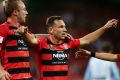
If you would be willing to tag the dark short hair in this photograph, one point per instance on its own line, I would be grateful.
(10, 5)
(51, 19)
(107, 47)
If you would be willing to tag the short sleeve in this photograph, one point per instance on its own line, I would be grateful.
(74, 43)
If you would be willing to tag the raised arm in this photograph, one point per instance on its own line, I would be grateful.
(100, 55)
(96, 34)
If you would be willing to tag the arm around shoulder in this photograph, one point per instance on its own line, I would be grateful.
(31, 38)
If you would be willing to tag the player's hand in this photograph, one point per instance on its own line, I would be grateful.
(82, 53)
(4, 75)
(22, 30)
(69, 36)
(111, 23)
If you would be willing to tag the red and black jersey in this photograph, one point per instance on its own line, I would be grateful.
(52, 60)
(14, 53)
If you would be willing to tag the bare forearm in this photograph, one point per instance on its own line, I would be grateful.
(96, 34)
(30, 38)
(106, 56)
(41, 35)
(101, 55)
(92, 36)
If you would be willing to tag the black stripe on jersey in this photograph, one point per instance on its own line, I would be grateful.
(18, 59)
(16, 48)
(54, 62)
(47, 51)
(54, 73)
(19, 70)
(13, 37)
(25, 79)
(12, 27)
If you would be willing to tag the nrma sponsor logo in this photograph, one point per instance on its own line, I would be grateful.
(60, 55)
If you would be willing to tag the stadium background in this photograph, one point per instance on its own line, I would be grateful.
(81, 17)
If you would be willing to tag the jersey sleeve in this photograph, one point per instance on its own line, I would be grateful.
(3, 34)
(75, 43)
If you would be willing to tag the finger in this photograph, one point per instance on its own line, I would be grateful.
(113, 20)
(3, 78)
(115, 25)
(68, 35)
(2, 75)
(7, 77)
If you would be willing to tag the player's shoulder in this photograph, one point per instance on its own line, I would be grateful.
(4, 25)
(43, 39)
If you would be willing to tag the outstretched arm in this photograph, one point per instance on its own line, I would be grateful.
(100, 55)
(41, 35)
(96, 34)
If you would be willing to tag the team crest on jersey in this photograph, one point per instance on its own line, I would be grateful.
(1, 39)
(60, 55)
(20, 41)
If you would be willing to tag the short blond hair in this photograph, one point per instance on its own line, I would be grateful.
(9, 6)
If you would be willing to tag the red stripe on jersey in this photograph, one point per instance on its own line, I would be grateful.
(12, 43)
(59, 47)
(55, 78)
(16, 65)
(55, 68)
(46, 56)
(17, 54)
(18, 76)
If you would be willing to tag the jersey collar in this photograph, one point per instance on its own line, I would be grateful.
(10, 24)
(50, 42)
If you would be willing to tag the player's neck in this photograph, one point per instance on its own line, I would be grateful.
(13, 21)
(54, 39)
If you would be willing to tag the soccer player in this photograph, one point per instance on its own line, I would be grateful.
(53, 51)
(14, 54)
